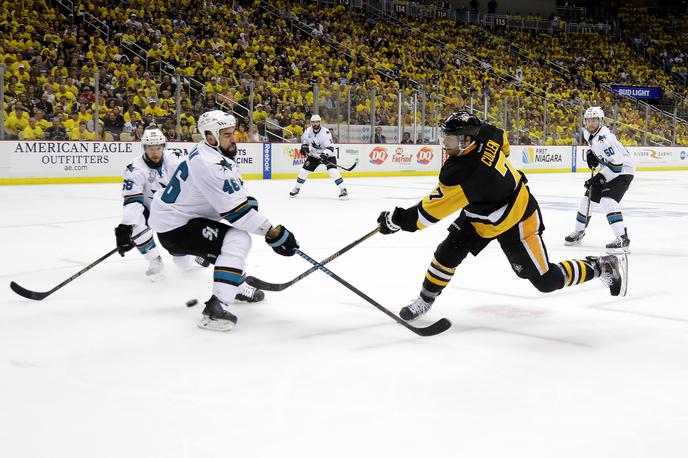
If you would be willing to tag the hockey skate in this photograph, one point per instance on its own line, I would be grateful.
(415, 309)
(248, 293)
(216, 317)
(619, 245)
(294, 192)
(343, 195)
(612, 271)
(154, 271)
(574, 238)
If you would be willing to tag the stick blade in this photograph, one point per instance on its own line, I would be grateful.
(265, 286)
(436, 328)
(36, 296)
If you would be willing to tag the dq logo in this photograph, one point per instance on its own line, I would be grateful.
(424, 156)
(378, 155)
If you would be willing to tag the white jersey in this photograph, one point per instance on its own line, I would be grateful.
(141, 181)
(614, 158)
(318, 143)
(206, 185)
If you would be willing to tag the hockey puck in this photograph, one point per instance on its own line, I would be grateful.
(191, 302)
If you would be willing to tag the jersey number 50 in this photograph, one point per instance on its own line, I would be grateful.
(175, 187)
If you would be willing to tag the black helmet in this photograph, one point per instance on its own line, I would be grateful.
(461, 123)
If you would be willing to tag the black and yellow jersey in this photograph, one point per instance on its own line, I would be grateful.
(482, 182)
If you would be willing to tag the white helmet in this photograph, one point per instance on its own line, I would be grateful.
(152, 137)
(594, 112)
(315, 118)
(214, 121)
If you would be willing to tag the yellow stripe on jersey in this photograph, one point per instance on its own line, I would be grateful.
(530, 226)
(442, 202)
(506, 148)
(489, 231)
(432, 279)
(583, 271)
(569, 272)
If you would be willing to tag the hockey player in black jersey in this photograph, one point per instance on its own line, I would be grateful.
(496, 204)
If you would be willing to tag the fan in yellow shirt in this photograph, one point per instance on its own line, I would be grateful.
(81, 133)
(32, 131)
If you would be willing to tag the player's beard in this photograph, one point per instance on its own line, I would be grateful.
(229, 152)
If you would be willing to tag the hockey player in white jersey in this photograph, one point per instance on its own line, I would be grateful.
(606, 188)
(205, 211)
(143, 177)
(317, 146)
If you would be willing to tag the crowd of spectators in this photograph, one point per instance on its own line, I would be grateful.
(270, 56)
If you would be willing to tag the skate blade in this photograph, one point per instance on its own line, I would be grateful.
(243, 300)
(572, 243)
(623, 264)
(344, 198)
(215, 325)
(618, 251)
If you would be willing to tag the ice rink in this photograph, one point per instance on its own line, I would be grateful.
(114, 366)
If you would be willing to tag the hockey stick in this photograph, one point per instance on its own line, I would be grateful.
(348, 169)
(434, 329)
(260, 284)
(38, 296)
(587, 210)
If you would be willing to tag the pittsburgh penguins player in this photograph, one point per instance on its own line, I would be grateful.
(316, 145)
(495, 203)
(606, 188)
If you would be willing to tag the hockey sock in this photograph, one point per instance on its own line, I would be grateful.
(229, 267)
(337, 177)
(615, 221)
(436, 279)
(577, 271)
(581, 221)
(148, 249)
(226, 280)
(614, 216)
(301, 179)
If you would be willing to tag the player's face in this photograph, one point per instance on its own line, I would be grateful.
(450, 143)
(227, 141)
(154, 153)
(316, 126)
(592, 124)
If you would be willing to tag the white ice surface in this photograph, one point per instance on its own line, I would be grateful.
(113, 366)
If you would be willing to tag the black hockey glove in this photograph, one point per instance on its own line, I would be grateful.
(123, 234)
(305, 150)
(387, 224)
(591, 159)
(596, 182)
(284, 243)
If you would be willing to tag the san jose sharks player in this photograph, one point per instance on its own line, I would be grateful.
(317, 146)
(607, 187)
(205, 211)
(143, 177)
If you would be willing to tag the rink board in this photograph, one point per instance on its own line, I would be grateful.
(46, 162)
